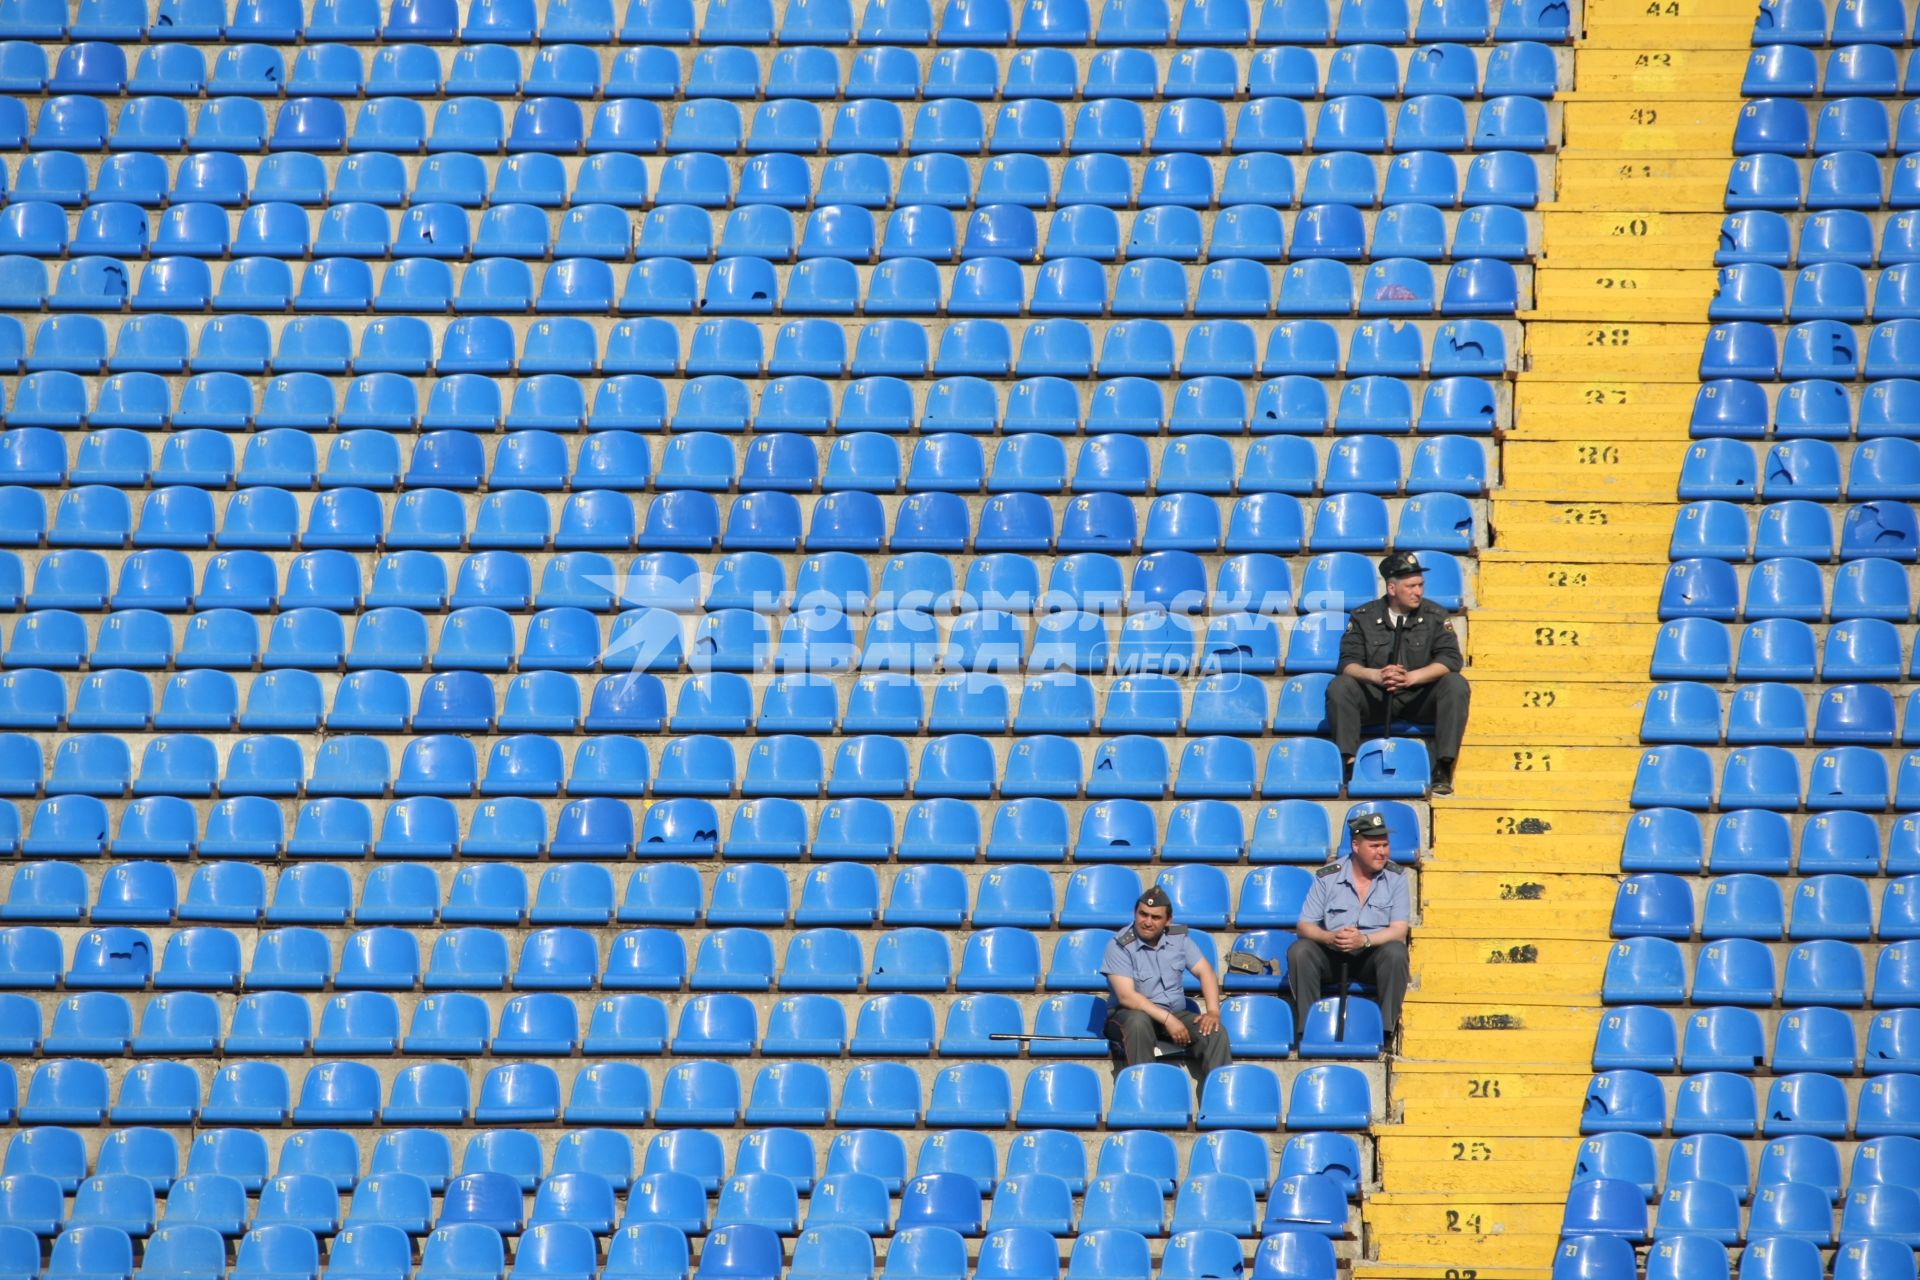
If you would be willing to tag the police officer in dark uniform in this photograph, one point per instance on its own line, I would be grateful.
(1358, 911)
(1146, 966)
(1400, 656)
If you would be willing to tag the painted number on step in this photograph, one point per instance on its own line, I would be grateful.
(1538, 697)
(1618, 336)
(1533, 762)
(1644, 115)
(1597, 455)
(1606, 395)
(1467, 1222)
(1631, 227)
(1471, 1152)
(1550, 636)
(1584, 515)
(1663, 9)
(1566, 578)
(1488, 1088)
(1653, 60)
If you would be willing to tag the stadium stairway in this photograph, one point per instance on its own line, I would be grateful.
(1498, 1032)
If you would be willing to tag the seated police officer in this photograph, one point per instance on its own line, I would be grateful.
(1146, 965)
(1356, 913)
(1400, 660)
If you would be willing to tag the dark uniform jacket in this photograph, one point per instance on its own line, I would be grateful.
(1425, 637)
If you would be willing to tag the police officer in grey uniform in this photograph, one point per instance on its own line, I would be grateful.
(1399, 653)
(1146, 965)
(1357, 910)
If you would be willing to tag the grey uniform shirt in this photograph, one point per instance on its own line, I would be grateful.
(1333, 902)
(1157, 971)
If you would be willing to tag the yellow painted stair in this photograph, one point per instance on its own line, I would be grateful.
(1498, 1032)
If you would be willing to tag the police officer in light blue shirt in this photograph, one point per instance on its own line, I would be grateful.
(1146, 966)
(1357, 912)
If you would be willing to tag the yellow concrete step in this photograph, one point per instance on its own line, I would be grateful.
(1654, 404)
(1643, 239)
(1546, 648)
(1522, 712)
(1601, 293)
(1415, 1226)
(1668, 24)
(1511, 1037)
(1511, 960)
(1645, 75)
(1589, 530)
(1568, 834)
(1468, 1166)
(1372, 1269)
(1628, 350)
(1610, 470)
(1541, 905)
(1569, 588)
(1497, 1251)
(1532, 775)
(1608, 184)
(1668, 128)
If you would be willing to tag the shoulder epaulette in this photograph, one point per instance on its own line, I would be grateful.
(1126, 935)
(1331, 869)
(1176, 929)
(1395, 869)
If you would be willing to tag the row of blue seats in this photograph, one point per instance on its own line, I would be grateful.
(537, 405)
(879, 701)
(1741, 971)
(1763, 841)
(1811, 408)
(1856, 69)
(362, 1023)
(1790, 127)
(1776, 648)
(952, 766)
(1732, 1038)
(1782, 588)
(154, 1156)
(557, 125)
(1836, 180)
(444, 229)
(855, 520)
(565, 958)
(849, 893)
(574, 69)
(1689, 711)
(1784, 1230)
(1801, 468)
(1727, 1102)
(1026, 461)
(1769, 777)
(406, 345)
(751, 286)
(704, 1093)
(1089, 581)
(1822, 291)
(1797, 528)
(1182, 178)
(1837, 235)
(1661, 904)
(974, 22)
(1718, 1157)
(1595, 1257)
(658, 1251)
(1029, 829)
(1808, 22)
(480, 638)
(580, 1206)
(1749, 351)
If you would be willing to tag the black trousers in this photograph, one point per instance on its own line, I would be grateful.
(1132, 1035)
(1311, 965)
(1356, 710)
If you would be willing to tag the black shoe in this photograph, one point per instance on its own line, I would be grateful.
(1443, 778)
(1346, 773)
